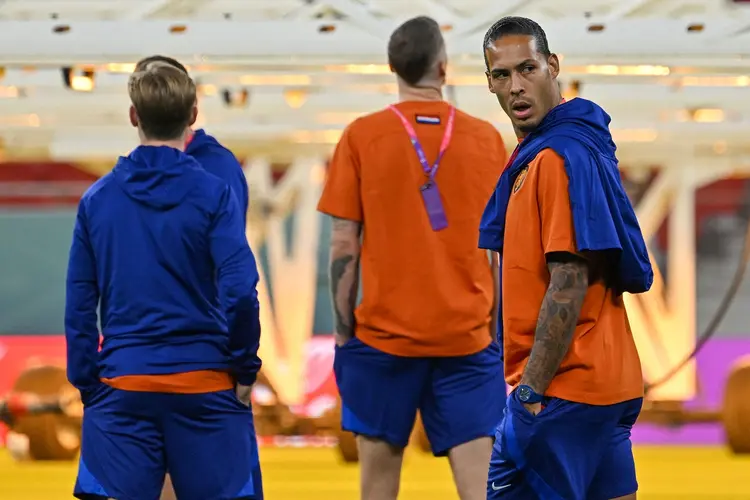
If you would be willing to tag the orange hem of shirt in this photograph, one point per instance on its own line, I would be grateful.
(197, 382)
(406, 347)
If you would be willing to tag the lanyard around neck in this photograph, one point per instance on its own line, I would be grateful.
(429, 170)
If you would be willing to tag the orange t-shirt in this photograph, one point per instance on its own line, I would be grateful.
(602, 366)
(424, 292)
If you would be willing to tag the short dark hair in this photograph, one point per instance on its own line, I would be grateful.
(143, 63)
(414, 47)
(163, 97)
(513, 25)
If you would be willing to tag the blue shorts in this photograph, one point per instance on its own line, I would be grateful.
(131, 439)
(570, 451)
(460, 399)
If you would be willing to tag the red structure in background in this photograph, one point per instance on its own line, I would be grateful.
(40, 185)
(46, 185)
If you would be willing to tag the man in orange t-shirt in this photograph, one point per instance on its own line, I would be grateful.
(570, 245)
(423, 336)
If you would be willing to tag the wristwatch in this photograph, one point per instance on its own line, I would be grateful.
(527, 395)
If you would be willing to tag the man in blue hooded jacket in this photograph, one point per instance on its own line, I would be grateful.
(159, 246)
(570, 245)
(211, 154)
(221, 162)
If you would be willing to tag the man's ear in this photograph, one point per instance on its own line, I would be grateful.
(554, 65)
(193, 115)
(487, 72)
(489, 81)
(442, 70)
(133, 116)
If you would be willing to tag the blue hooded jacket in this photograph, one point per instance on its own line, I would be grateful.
(159, 244)
(604, 220)
(222, 163)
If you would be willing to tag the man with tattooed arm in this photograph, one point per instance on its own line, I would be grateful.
(570, 246)
(423, 336)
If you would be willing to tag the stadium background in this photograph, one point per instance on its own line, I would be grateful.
(279, 79)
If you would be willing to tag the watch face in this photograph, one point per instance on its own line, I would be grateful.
(524, 393)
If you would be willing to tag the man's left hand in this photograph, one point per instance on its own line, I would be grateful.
(533, 408)
(342, 339)
(244, 393)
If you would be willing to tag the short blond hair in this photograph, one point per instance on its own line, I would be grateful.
(163, 97)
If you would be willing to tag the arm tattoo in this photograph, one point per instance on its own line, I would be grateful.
(344, 320)
(344, 274)
(558, 317)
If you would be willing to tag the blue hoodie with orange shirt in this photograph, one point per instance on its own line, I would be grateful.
(159, 245)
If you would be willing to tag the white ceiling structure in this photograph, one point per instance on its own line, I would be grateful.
(674, 74)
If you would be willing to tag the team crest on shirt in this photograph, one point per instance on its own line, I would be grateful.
(519, 180)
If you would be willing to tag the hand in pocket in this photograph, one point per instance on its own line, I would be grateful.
(244, 393)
